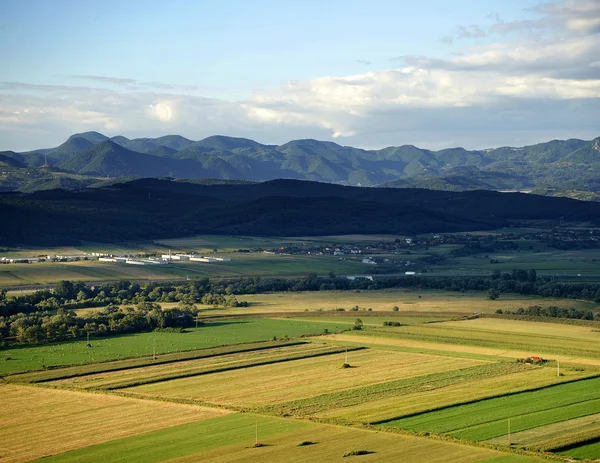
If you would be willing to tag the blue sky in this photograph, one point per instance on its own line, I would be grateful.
(364, 73)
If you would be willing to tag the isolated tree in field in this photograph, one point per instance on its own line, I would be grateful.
(493, 294)
(358, 324)
(396, 308)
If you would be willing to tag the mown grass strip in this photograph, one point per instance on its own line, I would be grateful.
(220, 369)
(514, 341)
(313, 405)
(556, 436)
(568, 441)
(457, 419)
(138, 362)
(494, 428)
(179, 441)
(100, 380)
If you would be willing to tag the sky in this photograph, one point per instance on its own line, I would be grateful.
(370, 74)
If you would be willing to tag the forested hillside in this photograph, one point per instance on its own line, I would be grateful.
(569, 167)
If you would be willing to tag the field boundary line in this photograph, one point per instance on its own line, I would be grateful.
(12, 377)
(495, 396)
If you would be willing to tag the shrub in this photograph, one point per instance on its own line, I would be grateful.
(396, 308)
(305, 443)
(392, 324)
(357, 452)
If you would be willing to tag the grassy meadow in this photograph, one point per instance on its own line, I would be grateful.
(231, 438)
(410, 302)
(299, 379)
(487, 419)
(216, 333)
(540, 339)
(37, 422)
(439, 388)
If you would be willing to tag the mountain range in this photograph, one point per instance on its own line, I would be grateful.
(89, 159)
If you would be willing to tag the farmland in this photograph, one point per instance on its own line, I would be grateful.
(192, 368)
(300, 256)
(213, 334)
(33, 414)
(287, 382)
(487, 419)
(411, 301)
(294, 367)
(489, 335)
(299, 379)
(230, 438)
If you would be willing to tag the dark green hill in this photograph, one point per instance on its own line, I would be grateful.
(223, 143)
(11, 159)
(164, 151)
(176, 142)
(154, 208)
(109, 159)
(93, 137)
(74, 145)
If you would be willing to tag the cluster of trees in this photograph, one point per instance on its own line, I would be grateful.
(553, 312)
(76, 295)
(41, 327)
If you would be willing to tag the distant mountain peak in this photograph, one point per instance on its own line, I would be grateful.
(92, 136)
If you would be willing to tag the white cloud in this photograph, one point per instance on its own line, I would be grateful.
(163, 111)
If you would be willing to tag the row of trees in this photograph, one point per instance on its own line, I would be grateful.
(552, 312)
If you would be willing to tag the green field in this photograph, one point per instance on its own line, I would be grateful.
(547, 261)
(39, 421)
(439, 374)
(487, 419)
(135, 363)
(589, 451)
(433, 391)
(231, 438)
(213, 334)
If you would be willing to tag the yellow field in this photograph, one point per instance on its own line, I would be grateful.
(332, 442)
(37, 422)
(539, 338)
(301, 378)
(460, 349)
(385, 300)
(553, 330)
(114, 379)
(455, 393)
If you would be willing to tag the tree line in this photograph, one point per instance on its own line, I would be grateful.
(552, 312)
